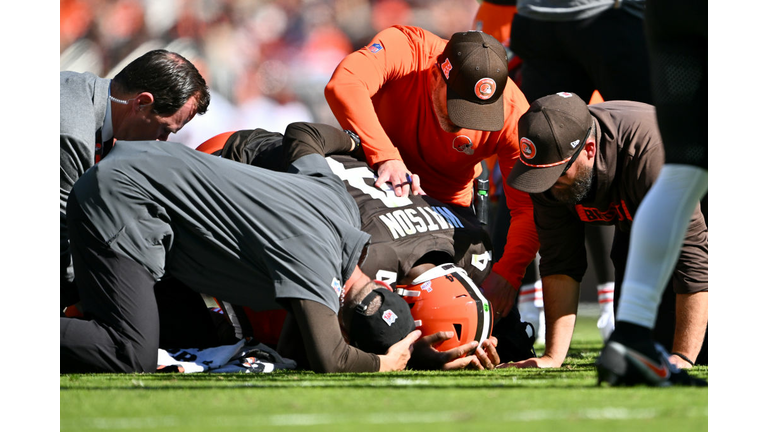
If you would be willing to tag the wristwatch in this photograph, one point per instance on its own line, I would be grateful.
(355, 138)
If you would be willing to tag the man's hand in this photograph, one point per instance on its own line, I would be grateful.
(426, 357)
(486, 354)
(561, 301)
(394, 172)
(500, 293)
(542, 362)
(398, 354)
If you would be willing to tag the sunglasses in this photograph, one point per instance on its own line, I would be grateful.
(575, 154)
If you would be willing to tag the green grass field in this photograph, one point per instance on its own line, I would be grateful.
(504, 399)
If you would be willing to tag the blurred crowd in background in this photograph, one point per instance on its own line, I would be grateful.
(266, 61)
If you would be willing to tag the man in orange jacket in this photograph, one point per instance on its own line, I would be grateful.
(428, 111)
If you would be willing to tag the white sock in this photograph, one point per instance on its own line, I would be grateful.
(605, 323)
(658, 231)
(530, 303)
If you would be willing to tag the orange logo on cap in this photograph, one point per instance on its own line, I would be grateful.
(485, 88)
(446, 67)
(527, 148)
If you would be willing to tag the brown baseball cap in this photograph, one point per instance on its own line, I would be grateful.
(552, 132)
(474, 65)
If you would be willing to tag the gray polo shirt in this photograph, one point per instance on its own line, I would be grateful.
(83, 102)
(243, 234)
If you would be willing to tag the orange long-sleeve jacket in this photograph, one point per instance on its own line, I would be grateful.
(382, 93)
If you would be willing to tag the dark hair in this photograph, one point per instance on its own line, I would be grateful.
(171, 78)
(348, 310)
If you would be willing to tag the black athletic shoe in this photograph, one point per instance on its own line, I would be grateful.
(515, 337)
(620, 365)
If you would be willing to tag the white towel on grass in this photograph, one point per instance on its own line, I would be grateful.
(243, 356)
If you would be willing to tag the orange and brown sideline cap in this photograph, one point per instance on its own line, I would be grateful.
(474, 65)
(552, 132)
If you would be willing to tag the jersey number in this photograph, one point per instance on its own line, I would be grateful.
(355, 177)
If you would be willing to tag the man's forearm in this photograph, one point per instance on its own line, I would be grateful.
(302, 138)
(324, 344)
(561, 301)
(522, 238)
(690, 323)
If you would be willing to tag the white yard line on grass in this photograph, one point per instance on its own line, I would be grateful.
(146, 423)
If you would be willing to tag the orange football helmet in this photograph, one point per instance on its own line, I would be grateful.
(214, 144)
(444, 298)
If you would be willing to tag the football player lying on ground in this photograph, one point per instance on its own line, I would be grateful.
(409, 235)
(445, 303)
(75, 358)
(445, 234)
(152, 210)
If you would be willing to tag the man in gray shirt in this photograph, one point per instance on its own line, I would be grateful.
(152, 97)
(229, 230)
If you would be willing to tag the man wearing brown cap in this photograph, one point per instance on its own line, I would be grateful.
(428, 111)
(595, 164)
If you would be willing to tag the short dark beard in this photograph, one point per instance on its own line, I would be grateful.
(580, 188)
